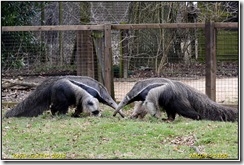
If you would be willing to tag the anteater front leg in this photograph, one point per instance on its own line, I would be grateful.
(78, 111)
(60, 108)
(59, 103)
(139, 111)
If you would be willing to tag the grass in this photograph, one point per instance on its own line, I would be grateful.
(107, 137)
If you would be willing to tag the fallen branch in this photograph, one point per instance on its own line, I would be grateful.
(196, 149)
(6, 84)
(200, 155)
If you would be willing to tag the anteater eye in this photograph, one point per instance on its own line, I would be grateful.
(90, 103)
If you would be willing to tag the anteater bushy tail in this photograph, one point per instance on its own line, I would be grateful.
(208, 109)
(35, 104)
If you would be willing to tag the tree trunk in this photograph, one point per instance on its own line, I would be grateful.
(124, 54)
(61, 33)
(85, 55)
(85, 58)
(44, 57)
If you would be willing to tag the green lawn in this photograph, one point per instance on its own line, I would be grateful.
(107, 137)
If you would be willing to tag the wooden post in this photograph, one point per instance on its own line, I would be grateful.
(210, 42)
(108, 76)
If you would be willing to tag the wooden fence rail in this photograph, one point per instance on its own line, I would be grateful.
(116, 26)
(53, 28)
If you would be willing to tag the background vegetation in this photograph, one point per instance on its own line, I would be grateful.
(152, 47)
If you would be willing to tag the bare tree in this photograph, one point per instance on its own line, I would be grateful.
(218, 11)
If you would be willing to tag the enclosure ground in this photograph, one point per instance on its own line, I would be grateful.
(116, 138)
(63, 137)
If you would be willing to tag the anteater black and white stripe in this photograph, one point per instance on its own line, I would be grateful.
(176, 98)
(61, 92)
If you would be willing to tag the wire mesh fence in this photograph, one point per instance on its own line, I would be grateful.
(32, 53)
(137, 53)
(135, 57)
(182, 59)
(227, 66)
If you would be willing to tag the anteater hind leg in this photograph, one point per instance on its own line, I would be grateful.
(184, 108)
